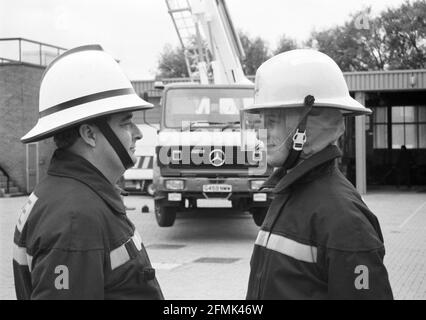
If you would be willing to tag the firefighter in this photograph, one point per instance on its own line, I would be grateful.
(319, 240)
(73, 239)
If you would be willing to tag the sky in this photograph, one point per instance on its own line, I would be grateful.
(136, 31)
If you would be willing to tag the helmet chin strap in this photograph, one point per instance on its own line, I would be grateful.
(299, 138)
(115, 143)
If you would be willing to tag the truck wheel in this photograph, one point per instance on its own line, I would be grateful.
(165, 216)
(259, 215)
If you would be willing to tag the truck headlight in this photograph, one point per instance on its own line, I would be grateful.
(174, 184)
(256, 184)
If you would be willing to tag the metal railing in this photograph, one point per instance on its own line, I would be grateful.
(21, 50)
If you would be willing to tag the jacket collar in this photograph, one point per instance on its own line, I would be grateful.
(280, 180)
(67, 164)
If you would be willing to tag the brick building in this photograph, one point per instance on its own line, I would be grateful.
(19, 85)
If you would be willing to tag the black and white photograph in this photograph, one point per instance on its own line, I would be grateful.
(212, 155)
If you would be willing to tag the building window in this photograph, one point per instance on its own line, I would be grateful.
(408, 127)
(422, 127)
(380, 128)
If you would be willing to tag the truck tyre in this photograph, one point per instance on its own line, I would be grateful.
(259, 215)
(165, 216)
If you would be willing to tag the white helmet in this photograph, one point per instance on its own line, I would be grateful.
(287, 78)
(302, 79)
(82, 84)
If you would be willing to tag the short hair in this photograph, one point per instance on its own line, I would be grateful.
(66, 138)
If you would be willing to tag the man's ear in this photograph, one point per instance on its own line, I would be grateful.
(88, 134)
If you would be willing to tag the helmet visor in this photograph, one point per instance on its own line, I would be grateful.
(260, 122)
(252, 130)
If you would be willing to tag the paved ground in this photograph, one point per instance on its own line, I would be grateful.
(206, 255)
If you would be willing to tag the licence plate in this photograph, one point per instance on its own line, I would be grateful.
(217, 188)
(214, 203)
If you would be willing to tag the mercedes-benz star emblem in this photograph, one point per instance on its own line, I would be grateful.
(217, 157)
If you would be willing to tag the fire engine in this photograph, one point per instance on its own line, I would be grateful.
(201, 160)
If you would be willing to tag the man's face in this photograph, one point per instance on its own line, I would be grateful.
(127, 131)
(280, 125)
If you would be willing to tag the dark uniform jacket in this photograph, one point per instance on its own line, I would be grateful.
(319, 240)
(73, 239)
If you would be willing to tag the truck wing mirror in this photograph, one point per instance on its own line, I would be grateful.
(159, 85)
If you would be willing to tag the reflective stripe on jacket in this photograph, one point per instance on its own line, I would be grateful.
(319, 240)
(73, 239)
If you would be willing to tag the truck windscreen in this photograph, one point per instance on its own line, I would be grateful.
(205, 105)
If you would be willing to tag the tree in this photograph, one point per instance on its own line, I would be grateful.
(396, 39)
(285, 44)
(256, 52)
(171, 63)
(355, 46)
(340, 47)
(369, 37)
(405, 28)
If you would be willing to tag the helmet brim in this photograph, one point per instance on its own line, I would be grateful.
(49, 125)
(347, 105)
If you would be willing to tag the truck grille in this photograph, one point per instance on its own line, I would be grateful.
(209, 158)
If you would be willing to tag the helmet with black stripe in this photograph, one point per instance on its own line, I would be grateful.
(84, 84)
